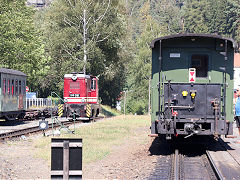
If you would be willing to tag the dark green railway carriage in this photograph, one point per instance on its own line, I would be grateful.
(192, 85)
(12, 94)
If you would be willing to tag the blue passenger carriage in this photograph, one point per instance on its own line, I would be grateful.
(12, 94)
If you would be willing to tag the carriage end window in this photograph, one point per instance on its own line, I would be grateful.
(20, 87)
(4, 86)
(200, 63)
(16, 87)
(8, 86)
(12, 87)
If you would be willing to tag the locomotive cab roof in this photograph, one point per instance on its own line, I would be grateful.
(77, 75)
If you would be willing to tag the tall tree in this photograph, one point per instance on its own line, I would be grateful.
(195, 16)
(140, 67)
(85, 35)
(168, 14)
(21, 47)
(211, 16)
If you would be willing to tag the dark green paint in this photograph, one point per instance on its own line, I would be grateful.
(177, 69)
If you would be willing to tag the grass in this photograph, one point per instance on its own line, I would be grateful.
(98, 138)
(108, 111)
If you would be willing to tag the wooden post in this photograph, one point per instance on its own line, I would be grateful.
(125, 98)
(65, 160)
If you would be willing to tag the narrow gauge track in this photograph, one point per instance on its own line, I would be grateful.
(35, 129)
(182, 165)
(195, 166)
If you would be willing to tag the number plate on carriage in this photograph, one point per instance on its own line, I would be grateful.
(74, 95)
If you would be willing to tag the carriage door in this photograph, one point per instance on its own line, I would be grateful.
(20, 100)
(94, 90)
(88, 90)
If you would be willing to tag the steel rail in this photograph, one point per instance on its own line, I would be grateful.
(35, 129)
(217, 172)
(25, 131)
(176, 164)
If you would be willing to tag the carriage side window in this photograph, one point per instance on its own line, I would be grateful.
(12, 87)
(93, 84)
(4, 86)
(8, 86)
(24, 87)
(16, 87)
(20, 87)
(200, 63)
(74, 85)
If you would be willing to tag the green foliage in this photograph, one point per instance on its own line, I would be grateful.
(156, 19)
(21, 47)
(195, 16)
(138, 107)
(211, 16)
(98, 37)
(167, 14)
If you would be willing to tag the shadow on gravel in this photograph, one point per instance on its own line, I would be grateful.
(161, 146)
(11, 123)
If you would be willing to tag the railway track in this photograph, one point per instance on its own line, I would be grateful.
(35, 129)
(187, 163)
(202, 166)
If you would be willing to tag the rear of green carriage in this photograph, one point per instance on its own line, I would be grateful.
(12, 94)
(192, 85)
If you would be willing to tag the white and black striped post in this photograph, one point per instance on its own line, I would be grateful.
(66, 158)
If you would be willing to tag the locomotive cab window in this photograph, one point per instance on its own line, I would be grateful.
(93, 84)
(200, 63)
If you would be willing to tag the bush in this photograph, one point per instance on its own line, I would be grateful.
(136, 107)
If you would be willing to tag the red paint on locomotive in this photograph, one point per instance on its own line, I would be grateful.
(80, 90)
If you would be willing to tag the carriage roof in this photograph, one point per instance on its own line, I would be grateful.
(11, 71)
(234, 44)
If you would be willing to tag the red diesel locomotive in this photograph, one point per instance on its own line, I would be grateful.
(81, 95)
